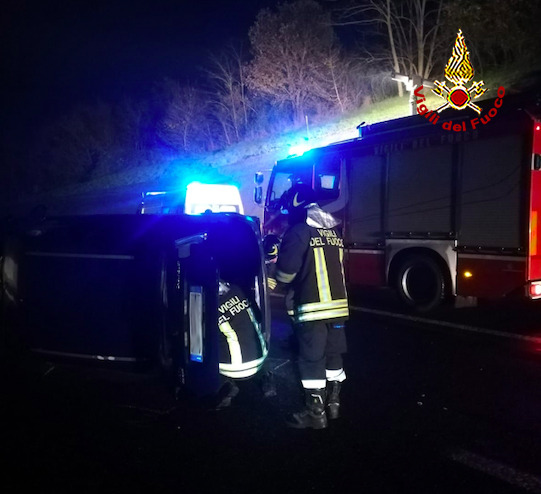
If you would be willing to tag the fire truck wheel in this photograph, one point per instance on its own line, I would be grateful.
(421, 284)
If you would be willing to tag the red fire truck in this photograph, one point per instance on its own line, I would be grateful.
(434, 208)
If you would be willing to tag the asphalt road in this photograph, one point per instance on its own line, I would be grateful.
(426, 409)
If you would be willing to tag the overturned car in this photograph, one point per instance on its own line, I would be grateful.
(129, 290)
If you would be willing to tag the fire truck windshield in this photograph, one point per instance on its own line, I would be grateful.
(323, 175)
(282, 181)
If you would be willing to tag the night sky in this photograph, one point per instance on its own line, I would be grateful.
(56, 53)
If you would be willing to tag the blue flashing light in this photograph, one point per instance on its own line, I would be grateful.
(214, 198)
(159, 193)
(299, 149)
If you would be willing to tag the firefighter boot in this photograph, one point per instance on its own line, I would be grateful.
(268, 386)
(225, 395)
(313, 416)
(333, 402)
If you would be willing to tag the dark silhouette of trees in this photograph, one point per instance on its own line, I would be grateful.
(297, 67)
(76, 147)
(500, 33)
(230, 101)
(411, 28)
(296, 59)
(184, 115)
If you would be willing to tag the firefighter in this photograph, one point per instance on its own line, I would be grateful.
(242, 345)
(271, 244)
(310, 262)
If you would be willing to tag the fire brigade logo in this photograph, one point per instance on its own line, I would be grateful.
(459, 71)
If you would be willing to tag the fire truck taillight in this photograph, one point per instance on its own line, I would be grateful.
(535, 289)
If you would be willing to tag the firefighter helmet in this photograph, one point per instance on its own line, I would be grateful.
(298, 198)
(271, 242)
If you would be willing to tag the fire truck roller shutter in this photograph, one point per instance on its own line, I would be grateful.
(422, 281)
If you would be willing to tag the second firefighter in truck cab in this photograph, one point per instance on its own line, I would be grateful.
(310, 263)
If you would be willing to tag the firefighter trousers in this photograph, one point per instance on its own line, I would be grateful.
(321, 346)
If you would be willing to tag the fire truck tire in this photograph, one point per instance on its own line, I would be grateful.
(421, 284)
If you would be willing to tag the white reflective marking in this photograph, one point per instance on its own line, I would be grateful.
(463, 327)
(504, 472)
(314, 383)
(335, 375)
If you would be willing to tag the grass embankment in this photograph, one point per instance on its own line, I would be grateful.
(238, 163)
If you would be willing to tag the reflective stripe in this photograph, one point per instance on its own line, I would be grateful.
(285, 277)
(314, 383)
(245, 369)
(257, 327)
(335, 375)
(233, 343)
(323, 286)
(254, 320)
(323, 314)
(341, 302)
(341, 254)
(271, 282)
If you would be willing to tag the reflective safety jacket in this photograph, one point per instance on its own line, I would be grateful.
(242, 345)
(311, 261)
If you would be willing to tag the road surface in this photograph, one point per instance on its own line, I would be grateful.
(425, 409)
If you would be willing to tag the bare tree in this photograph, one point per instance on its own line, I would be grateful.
(412, 29)
(131, 118)
(289, 47)
(227, 75)
(341, 83)
(184, 115)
